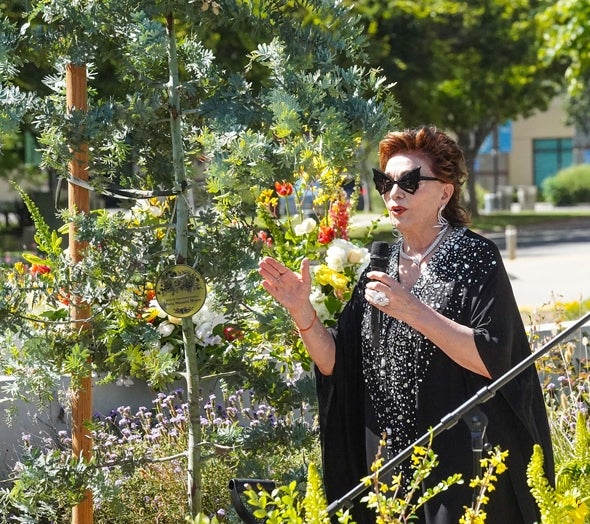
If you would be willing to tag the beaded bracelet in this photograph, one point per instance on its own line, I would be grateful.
(315, 315)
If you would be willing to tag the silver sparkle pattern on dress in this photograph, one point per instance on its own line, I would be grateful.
(395, 369)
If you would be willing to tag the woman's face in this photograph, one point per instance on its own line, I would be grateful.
(415, 213)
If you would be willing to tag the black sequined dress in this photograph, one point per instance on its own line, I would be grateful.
(404, 385)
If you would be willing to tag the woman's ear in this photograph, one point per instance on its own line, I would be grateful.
(447, 193)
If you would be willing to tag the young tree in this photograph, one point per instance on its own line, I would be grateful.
(185, 124)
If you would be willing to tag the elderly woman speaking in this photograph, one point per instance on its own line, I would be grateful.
(449, 325)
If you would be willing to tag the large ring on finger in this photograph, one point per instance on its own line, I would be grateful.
(378, 297)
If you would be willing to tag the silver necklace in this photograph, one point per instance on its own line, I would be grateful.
(417, 259)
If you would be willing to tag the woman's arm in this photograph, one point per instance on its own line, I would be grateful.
(455, 340)
(292, 291)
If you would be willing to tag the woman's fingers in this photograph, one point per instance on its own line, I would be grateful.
(270, 269)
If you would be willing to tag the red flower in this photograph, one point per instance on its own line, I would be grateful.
(231, 333)
(283, 189)
(39, 269)
(326, 234)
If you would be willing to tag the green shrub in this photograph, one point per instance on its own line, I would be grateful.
(569, 186)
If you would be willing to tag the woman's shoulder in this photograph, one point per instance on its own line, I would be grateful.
(471, 251)
(471, 239)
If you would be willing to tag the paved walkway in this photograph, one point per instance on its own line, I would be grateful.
(550, 272)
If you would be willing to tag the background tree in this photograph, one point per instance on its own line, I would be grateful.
(465, 66)
(565, 40)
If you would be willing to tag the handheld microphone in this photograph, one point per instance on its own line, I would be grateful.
(378, 262)
(379, 256)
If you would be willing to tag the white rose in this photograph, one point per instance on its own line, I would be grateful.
(36, 305)
(356, 255)
(147, 206)
(336, 257)
(155, 211)
(305, 227)
(317, 299)
(167, 348)
(205, 315)
(165, 329)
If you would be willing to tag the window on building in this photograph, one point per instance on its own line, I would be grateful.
(549, 156)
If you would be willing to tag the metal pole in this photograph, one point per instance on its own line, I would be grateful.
(511, 241)
(78, 200)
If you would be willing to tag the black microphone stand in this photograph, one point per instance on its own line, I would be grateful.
(448, 421)
(477, 422)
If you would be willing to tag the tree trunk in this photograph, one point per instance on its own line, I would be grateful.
(188, 331)
(470, 141)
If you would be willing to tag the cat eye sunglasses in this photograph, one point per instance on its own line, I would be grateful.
(409, 182)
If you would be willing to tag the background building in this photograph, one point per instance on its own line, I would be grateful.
(514, 161)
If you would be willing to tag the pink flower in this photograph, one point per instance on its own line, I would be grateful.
(264, 238)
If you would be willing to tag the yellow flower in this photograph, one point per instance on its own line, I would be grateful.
(579, 510)
(326, 276)
(151, 314)
(579, 514)
(267, 198)
(339, 281)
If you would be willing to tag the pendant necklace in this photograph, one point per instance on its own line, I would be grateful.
(417, 259)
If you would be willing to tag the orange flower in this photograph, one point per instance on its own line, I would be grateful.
(150, 294)
(64, 297)
(326, 234)
(39, 269)
(339, 217)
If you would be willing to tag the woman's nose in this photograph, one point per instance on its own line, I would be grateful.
(395, 192)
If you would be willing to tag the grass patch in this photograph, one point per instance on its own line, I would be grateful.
(498, 221)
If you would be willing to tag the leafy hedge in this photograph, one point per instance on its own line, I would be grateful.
(569, 186)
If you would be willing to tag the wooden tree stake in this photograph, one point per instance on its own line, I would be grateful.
(78, 200)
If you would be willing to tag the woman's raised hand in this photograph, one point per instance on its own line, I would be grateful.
(288, 288)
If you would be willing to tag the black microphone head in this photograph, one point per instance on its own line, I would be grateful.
(379, 256)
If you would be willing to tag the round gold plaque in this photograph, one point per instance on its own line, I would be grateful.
(181, 290)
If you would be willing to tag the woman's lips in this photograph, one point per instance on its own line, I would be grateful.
(397, 210)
